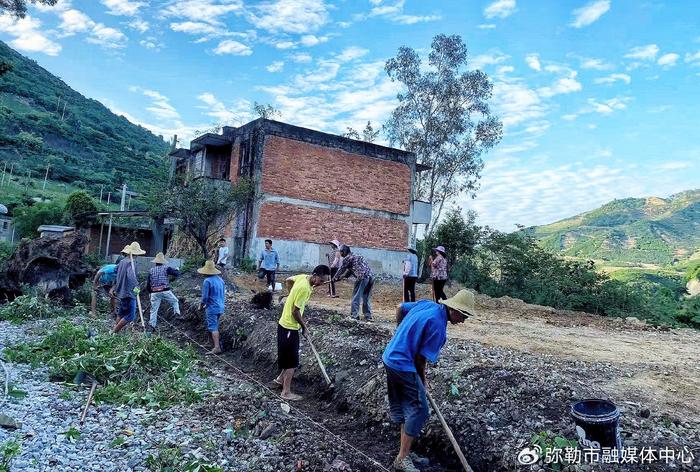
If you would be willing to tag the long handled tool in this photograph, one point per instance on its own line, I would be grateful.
(138, 295)
(450, 436)
(320, 363)
(93, 302)
(89, 400)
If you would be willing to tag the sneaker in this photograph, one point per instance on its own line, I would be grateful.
(405, 465)
(369, 319)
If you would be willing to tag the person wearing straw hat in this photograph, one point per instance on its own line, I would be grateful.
(158, 285)
(438, 272)
(410, 275)
(419, 337)
(126, 286)
(213, 290)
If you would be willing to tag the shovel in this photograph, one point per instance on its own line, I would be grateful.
(138, 295)
(320, 363)
(450, 436)
(81, 379)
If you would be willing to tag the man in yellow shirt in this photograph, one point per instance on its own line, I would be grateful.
(299, 288)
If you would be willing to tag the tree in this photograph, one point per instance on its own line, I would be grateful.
(443, 117)
(369, 134)
(19, 7)
(27, 219)
(266, 111)
(5, 67)
(80, 209)
(202, 207)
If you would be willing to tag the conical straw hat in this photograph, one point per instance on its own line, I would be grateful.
(209, 269)
(135, 249)
(462, 301)
(160, 259)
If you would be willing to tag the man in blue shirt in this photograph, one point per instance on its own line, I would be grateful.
(212, 301)
(419, 337)
(105, 279)
(268, 264)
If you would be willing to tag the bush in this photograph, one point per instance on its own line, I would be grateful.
(30, 140)
(148, 371)
(80, 209)
(6, 251)
(248, 265)
(34, 307)
(27, 218)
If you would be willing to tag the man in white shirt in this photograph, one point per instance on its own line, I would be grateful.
(222, 253)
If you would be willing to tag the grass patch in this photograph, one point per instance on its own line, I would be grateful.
(8, 451)
(132, 370)
(173, 460)
(35, 307)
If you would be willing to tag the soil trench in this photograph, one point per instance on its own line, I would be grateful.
(329, 407)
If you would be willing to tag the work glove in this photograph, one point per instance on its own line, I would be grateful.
(136, 290)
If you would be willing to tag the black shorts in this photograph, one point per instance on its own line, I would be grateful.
(287, 348)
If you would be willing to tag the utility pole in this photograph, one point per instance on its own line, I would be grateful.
(128, 205)
(9, 179)
(101, 187)
(123, 202)
(109, 198)
(4, 167)
(64, 110)
(46, 176)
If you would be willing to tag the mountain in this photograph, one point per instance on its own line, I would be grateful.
(45, 122)
(632, 230)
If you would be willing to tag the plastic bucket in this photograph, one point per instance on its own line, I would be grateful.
(597, 424)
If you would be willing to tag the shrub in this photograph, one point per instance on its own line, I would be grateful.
(33, 307)
(27, 218)
(6, 251)
(30, 140)
(148, 371)
(248, 265)
(80, 209)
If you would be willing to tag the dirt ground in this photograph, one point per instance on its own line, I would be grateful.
(661, 366)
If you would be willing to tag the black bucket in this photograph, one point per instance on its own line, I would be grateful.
(597, 424)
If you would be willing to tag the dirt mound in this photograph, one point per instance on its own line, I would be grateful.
(55, 265)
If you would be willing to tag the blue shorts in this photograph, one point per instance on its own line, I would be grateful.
(213, 321)
(127, 308)
(408, 404)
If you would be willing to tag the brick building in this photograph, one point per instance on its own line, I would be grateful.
(312, 187)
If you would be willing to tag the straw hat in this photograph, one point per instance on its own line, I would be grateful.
(134, 249)
(208, 269)
(160, 259)
(440, 249)
(126, 249)
(335, 242)
(463, 302)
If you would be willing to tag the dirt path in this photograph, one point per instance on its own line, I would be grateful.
(662, 367)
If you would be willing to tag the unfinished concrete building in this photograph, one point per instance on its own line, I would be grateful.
(312, 187)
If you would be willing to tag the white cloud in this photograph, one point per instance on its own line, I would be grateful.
(595, 64)
(561, 86)
(482, 60)
(28, 35)
(351, 53)
(74, 21)
(612, 78)
(208, 11)
(675, 165)
(486, 26)
(216, 109)
(160, 106)
(301, 57)
(290, 16)
(693, 59)
(589, 13)
(123, 7)
(606, 107)
(285, 44)
(516, 103)
(643, 53)
(569, 117)
(195, 28)
(533, 60)
(235, 48)
(513, 191)
(151, 43)
(500, 9)
(107, 37)
(140, 25)
(276, 66)
(312, 40)
(394, 12)
(668, 60)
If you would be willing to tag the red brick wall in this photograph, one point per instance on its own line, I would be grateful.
(310, 172)
(317, 225)
(235, 150)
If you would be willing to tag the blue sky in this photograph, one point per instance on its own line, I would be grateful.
(599, 98)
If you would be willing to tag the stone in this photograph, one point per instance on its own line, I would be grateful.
(8, 422)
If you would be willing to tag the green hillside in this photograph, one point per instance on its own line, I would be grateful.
(45, 122)
(633, 230)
